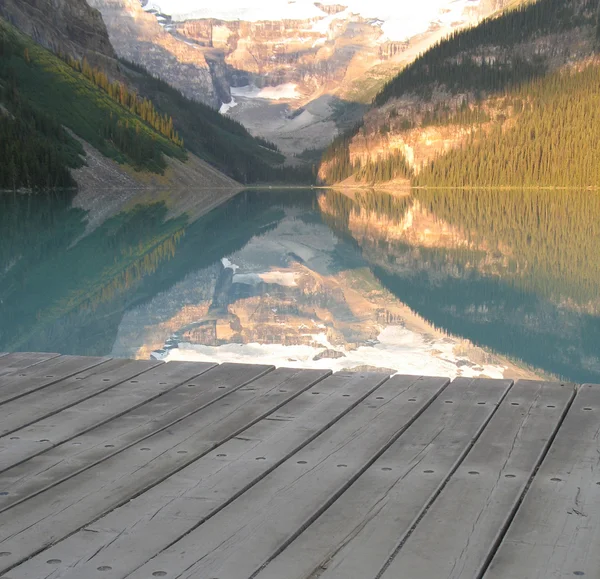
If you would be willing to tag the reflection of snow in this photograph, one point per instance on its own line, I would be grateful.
(398, 348)
(398, 20)
(228, 265)
(284, 278)
(226, 106)
(274, 93)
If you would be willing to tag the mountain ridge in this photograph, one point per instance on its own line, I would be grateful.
(478, 83)
(325, 61)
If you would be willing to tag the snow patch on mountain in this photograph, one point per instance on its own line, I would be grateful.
(286, 91)
(398, 20)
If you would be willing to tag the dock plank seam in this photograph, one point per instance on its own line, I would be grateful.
(350, 482)
(16, 396)
(75, 402)
(513, 513)
(131, 444)
(439, 490)
(106, 420)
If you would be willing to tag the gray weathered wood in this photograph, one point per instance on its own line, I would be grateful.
(68, 506)
(239, 539)
(556, 531)
(84, 416)
(359, 531)
(13, 386)
(19, 360)
(458, 534)
(130, 535)
(60, 395)
(182, 403)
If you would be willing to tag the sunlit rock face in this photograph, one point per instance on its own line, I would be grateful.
(67, 26)
(320, 62)
(139, 36)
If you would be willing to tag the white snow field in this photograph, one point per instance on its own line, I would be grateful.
(398, 20)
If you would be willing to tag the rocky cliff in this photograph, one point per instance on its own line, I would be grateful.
(138, 37)
(455, 94)
(67, 26)
(297, 73)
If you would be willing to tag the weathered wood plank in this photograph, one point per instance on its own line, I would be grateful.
(19, 360)
(243, 536)
(84, 416)
(130, 535)
(458, 534)
(66, 507)
(60, 395)
(361, 530)
(556, 531)
(13, 386)
(181, 404)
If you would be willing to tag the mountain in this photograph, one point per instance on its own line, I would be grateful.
(67, 26)
(508, 102)
(292, 72)
(138, 37)
(107, 122)
(81, 126)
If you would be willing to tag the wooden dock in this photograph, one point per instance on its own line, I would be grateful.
(140, 469)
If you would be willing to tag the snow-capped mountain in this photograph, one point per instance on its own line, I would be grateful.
(397, 20)
(292, 71)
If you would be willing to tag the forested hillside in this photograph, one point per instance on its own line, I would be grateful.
(216, 138)
(507, 103)
(40, 94)
(123, 112)
(552, 138)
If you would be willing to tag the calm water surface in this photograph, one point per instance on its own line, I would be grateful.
(293, 274)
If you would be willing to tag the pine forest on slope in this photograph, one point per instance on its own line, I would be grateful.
(514, 106)
(136, 122)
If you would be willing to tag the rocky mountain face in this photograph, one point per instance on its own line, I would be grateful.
(138, 37)
(428, 114)
(295, 74)
(67, 26)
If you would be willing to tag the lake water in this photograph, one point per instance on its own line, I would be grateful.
(439, 282)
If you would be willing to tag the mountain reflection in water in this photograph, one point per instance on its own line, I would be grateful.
(358, 276)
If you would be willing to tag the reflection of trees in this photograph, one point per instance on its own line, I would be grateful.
(552, 238)
(546, 242)
(507, 320)
(528, 255)
(59, 294)
(48, 281)
(147, 264)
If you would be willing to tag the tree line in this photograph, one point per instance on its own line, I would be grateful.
(551, 114)
(35, 150)
(553, 140)
(127, 98)
(459, 63)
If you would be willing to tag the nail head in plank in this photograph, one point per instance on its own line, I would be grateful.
(41, 375)
(39, 404)
(166, 412)
(94, 412)
(556, 530)
(15, 361)
(358, 533)
(239, 539)
(458, 533)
